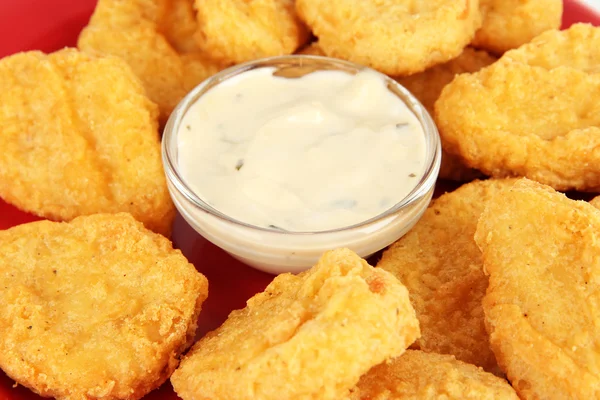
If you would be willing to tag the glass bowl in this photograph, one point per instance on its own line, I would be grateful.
(277, 251)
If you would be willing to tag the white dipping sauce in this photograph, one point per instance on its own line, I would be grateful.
(324, 151)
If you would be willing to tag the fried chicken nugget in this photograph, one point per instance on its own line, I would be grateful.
(244, 30)
(98, 308)
(417, 375)
(440, 265)
(309, 336)
(595, 202)
(155, 37)
(78, 137)
(533, 113)
(508, 24)
(542, 253)
(397, 37)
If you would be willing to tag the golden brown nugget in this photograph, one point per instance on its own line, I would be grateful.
(533, 113)
(244, 30)
(78, 137)
(440, 265)
(153, 37)
(595, 202)
(98, 308)
(309, 336)
(508, 24)
(417, 375)
(542, 253)
(397, 37)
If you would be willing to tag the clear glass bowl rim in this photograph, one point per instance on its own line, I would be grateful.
(169, 139)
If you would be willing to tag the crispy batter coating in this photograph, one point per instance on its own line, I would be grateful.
(78, 137)
(153, 37)
(533, 113)
(309, 336)
(98, 308)
(397, 37)
(440, 265)
(595, 202)
(428, 85)
(417, 375)
(244, 30)
(508, 24)
(542, 253)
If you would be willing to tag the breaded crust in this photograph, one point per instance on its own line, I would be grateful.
(508, 24)
(243, 30)
(542, 253)
(152, 36)
(397, 37)
(309, 336)
(440, 265)
(533, 113)
(79, 136)
(98, 308)
(417, 375)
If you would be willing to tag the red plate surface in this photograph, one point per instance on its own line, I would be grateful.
(51, 24)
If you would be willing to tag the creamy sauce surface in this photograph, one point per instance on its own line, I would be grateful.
(323, 151)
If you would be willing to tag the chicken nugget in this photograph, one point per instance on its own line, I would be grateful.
(397, 37)
(417, 375)
(78, 137)
(308, 336)
(508, 24)
(595, 202)
(542, 253)
(155, 37)
(98, 308)
(440, 265)
(533, 113)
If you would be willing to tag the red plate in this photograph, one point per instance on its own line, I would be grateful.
(51, 24)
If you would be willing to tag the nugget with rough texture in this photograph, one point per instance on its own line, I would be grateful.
(397, 37)
(98, 308)
(440, 265)
(508, 24)
(532, 113)
(155, 38)
(542, 253)
(244, 30)
(309, 336)
(417, 375)
(78, 137)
